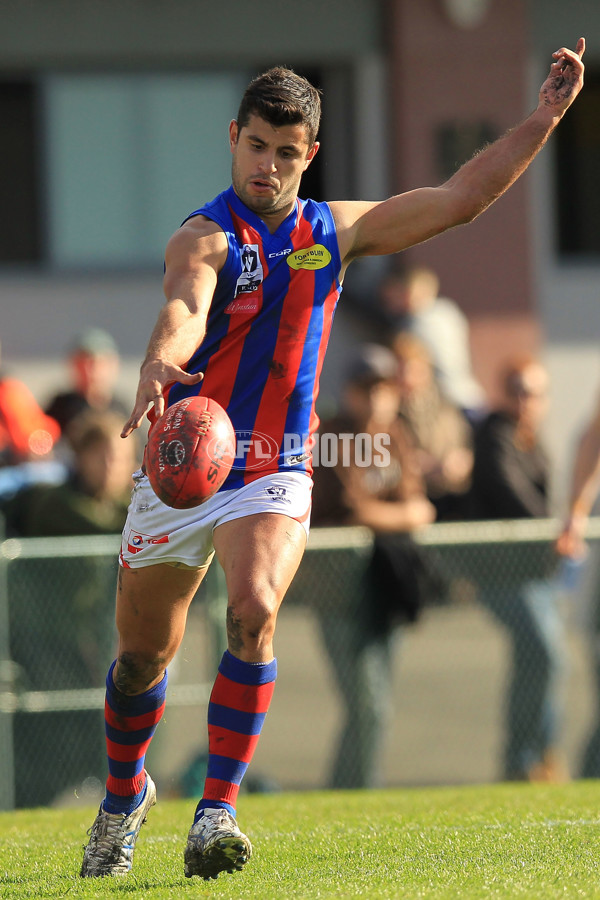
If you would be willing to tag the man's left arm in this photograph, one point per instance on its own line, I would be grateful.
(584, 489)
(370, 229)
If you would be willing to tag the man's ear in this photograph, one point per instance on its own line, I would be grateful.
(233, 134)
(311, 155)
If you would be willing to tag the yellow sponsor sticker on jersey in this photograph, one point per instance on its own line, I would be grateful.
(315, 257)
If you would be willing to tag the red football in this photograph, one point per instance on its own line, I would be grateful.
(190, 451)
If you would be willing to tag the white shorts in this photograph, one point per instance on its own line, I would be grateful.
(156, 533)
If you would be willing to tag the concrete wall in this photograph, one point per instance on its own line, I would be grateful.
(446, 75)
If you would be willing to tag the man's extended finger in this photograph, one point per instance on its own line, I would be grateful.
(566, 55)
(134, 421)
(128, 428)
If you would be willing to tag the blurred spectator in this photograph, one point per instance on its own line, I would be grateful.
(95, 496)
(94, 362)
(443, 436)
(510, 481)
(411, 302)
(27, 441)
(370, 476)
(27, 434)
(511, 468)
(62, 629)
(585, 485)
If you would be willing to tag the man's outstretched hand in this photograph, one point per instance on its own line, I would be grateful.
(565, 79)
(155, 376)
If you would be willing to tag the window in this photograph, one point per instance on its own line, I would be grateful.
(20, 229)
(99, 169)
(578, 173)
(128, 157)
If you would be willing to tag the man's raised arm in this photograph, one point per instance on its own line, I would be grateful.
(367, 229)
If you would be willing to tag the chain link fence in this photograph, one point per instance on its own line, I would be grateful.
(360, 700)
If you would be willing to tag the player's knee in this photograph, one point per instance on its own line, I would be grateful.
(136, 671)
(252, 617)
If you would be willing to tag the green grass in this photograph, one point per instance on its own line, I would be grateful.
(525, 841)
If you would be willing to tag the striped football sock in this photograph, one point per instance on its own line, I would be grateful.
(238, 705)
(130, 722)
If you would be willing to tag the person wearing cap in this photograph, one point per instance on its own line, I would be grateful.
(367, 473)
(93, 361)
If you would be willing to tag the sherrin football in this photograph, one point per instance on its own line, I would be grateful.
(190, 451)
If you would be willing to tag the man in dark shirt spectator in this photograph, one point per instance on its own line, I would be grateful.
(510, 481)
(510, 472)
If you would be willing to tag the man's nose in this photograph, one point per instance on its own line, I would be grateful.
(267, 162)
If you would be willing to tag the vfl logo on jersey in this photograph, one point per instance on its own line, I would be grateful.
(247, 295)
(315, 257)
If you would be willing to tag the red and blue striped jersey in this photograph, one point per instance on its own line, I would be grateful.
(267, 331)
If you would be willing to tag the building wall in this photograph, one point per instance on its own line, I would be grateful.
(445, 75)
(395, 72)
(109, 34)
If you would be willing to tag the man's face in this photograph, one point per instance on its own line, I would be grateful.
(105, 467)
(95, 371)
(375, 400)
(527, 395)
(268, 163)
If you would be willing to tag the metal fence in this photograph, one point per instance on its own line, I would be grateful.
(356, 703)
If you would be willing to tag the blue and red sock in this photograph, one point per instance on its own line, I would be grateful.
(130, 723)
(238, 705)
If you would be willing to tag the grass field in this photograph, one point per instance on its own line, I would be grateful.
(497, 841)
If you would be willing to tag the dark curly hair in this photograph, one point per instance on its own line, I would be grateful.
(282, 97)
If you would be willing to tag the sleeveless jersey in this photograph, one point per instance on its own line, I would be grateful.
(267, 332)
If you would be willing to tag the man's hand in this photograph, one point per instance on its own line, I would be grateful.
(419, 513)
(571, 540)
(565, 79)
(155, 375)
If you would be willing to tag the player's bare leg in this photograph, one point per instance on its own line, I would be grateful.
(260, 555)
(152, 605)
(152, 608)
